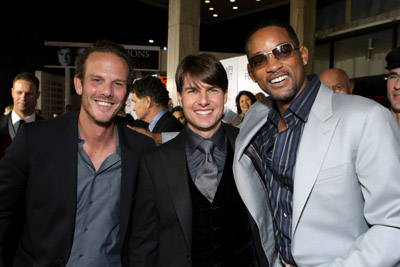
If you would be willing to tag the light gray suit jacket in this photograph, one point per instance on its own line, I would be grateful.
(346, 200)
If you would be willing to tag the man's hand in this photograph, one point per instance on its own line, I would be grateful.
(155, 136)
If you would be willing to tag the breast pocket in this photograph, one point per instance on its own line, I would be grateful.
(334, 172)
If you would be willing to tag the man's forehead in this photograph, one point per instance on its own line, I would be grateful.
(394, 71)
(24, 85)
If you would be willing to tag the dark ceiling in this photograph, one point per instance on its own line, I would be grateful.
(133, 23)
(224, 33)
(224, 8)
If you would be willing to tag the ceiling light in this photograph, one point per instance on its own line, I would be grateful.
(215, 15)
(207, 1)
(211, 8)
(258, 0)
(232, 1)
(234, 7)
(151, 41)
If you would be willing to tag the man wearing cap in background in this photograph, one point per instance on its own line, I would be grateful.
(393, 82)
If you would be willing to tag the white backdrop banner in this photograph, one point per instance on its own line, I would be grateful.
(238, 78)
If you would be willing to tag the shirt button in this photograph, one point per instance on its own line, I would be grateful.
(284, 214)
(91, 202)
(80, 255)
(85, 229)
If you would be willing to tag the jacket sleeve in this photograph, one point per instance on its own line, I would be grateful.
(378, 170)
(143, 245)
(13, 178)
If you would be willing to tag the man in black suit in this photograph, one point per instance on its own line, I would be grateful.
(25, 92)
(178, 222)
(151, 105)
(75, 175)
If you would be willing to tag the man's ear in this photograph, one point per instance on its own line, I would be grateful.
(304, 54)
(78, 85)
(250, 72)
(179, 99)
(148, 101)
(351, 87)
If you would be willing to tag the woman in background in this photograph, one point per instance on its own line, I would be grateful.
(244, 100)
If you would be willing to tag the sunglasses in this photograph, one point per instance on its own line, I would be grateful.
(280, 52)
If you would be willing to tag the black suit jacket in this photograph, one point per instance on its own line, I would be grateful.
(168, 123)
(41, 165)
(162, 224)
(5, 139)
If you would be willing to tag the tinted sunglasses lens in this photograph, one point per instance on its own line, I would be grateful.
(258, 60)
(282, 51)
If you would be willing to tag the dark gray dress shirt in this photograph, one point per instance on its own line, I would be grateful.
(97, 238)
(194, 155)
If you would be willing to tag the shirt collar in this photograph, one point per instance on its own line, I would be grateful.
(193, 139)
(15, 118)
(81, 141)
(156, 119)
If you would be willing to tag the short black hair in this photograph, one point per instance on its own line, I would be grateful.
(154, 88)
(271, 22)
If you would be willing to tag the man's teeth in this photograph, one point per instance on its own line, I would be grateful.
(203, 112)
(279, 79)
(104, 104)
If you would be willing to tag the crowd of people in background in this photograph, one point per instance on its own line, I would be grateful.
(304, 174)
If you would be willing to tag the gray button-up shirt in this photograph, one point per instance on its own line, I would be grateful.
(96, 238)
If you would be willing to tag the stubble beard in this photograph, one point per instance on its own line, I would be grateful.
(284, 97)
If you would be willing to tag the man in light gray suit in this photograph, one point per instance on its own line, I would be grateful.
(318, 171)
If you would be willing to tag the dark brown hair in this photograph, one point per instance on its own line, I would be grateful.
(205, 68)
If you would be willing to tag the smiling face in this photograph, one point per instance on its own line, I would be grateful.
(203, 106)
(25, 95)
(245, 103)
(103, 89)
(282, 79)
(393, 89)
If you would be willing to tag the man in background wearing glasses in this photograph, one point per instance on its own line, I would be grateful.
(393, 82)
(318, 171)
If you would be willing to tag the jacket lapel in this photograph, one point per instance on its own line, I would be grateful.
(69, 156)
(248, 182)
(314, 144)
(175, 167)
(257, 117)
(128, 178)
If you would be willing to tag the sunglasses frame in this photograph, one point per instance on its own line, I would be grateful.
(266, 54)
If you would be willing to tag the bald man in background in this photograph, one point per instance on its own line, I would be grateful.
(337, 80)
